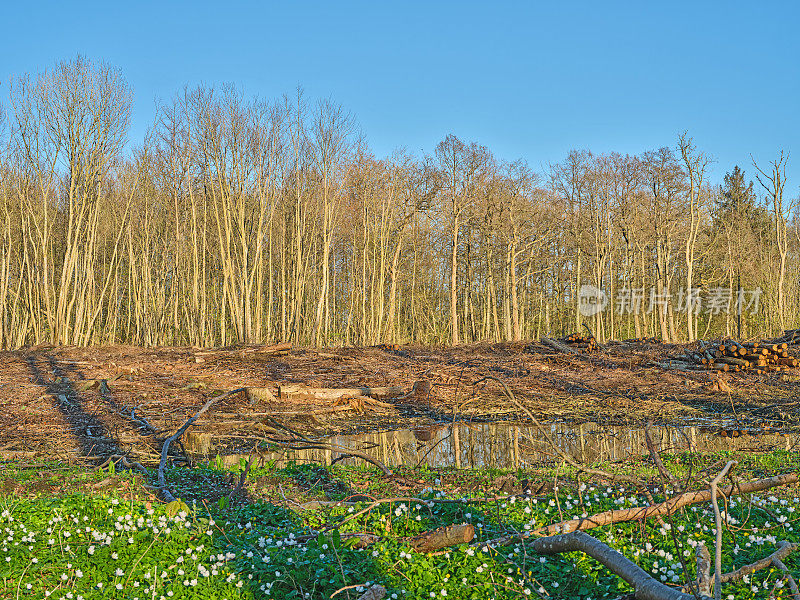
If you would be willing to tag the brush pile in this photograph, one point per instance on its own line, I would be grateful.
(730, 355)
(790, 337)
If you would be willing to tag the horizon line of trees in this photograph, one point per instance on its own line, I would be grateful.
(238, 220)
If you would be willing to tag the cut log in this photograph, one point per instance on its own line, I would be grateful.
(740, 362)
(444, 537)
(358, 404)
(249, 352)
(302, 392)
(558, 346)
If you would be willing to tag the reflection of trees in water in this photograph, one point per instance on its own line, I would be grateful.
(509, 446)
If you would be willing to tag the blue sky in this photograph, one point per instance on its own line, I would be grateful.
(527, 79)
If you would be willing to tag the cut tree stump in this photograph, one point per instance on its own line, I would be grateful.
(259, 394)
(376, 592)
(719, 385)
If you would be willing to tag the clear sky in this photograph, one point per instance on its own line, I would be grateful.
(529, 80)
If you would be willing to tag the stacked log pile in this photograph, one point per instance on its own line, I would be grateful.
(733, 356)
(576, 340)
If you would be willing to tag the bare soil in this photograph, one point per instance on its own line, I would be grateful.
(67, 403)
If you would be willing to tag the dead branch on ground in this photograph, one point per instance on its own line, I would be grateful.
(641, 513)
(162, 481)
(788, 574)
(784, 549)
(646, 588)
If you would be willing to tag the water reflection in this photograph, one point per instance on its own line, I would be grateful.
(510, 446)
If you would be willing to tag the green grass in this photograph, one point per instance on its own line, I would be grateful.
(80, 546)
(119, 545)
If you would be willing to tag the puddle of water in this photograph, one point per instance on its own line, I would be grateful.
(510, 446)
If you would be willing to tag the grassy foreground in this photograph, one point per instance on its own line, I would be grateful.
(67, 535)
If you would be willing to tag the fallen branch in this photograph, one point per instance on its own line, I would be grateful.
(162, 481)
(641, 513)
(646, 588)
(125, 463)
(242, 478)
(788, 574)
(784, 549)
(144, 423)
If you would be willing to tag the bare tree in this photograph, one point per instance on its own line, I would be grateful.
(696, 163)
(773, 181)
(238, 220)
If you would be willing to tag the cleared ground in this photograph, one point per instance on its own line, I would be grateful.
(58, 402)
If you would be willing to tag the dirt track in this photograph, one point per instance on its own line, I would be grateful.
(70, 402)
